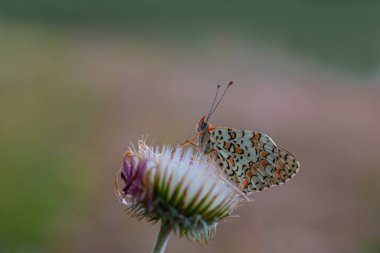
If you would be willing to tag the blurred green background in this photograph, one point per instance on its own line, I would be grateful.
(81, 79)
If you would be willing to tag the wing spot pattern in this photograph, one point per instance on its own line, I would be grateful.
(260, 165)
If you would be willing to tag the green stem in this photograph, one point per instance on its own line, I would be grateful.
(162, 239)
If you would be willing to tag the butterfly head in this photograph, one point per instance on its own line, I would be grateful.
(202, 125)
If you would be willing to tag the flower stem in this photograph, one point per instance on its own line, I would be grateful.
(162, 238)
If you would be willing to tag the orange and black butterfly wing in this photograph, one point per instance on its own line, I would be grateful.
(252, 159)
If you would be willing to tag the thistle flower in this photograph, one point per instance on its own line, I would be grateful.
(182, 190)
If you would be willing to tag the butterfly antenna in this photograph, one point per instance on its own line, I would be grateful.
(212, 106)
(213, 110)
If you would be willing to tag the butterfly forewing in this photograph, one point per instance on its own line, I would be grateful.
(252, 159)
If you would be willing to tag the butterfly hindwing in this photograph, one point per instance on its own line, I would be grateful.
(252, 159)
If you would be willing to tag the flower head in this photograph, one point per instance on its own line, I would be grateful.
(178, 188)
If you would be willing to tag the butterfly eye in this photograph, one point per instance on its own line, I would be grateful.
(202, 126)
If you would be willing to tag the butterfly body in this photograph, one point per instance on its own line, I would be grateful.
(250, 159)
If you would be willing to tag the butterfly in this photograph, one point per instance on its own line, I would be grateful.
(250, 159)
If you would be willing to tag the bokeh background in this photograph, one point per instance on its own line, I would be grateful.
(81, 79)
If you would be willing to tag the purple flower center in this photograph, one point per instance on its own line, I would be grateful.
(132, 174)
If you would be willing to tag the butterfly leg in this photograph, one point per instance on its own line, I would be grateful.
(213, 153)
(188, 142)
